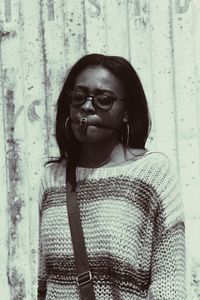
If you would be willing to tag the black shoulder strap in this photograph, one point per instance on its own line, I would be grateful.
(84, 276)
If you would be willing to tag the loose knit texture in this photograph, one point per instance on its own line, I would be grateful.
(133, 224)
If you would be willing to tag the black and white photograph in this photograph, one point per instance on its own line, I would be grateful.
(100, 150)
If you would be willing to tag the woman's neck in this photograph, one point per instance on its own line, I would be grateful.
(95, 155)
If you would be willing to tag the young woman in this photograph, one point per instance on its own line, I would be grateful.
(130, 208)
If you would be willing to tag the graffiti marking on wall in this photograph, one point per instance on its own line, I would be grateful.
(95, 10)
(182, 6)
(32, 114)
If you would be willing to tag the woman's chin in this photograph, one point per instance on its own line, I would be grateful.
(93, 134)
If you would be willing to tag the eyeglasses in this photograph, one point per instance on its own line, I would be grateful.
(101, 102)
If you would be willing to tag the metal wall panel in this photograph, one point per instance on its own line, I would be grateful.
(39, 41)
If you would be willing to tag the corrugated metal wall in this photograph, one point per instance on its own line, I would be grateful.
(39, 40)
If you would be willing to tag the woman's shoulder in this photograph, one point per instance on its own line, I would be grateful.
(53, 174)
(157, 159)
(159, 171)
(152, 167)
(149, 159)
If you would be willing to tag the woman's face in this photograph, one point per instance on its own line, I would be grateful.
(95, 81)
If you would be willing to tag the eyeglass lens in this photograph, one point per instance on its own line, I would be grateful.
(104, 102)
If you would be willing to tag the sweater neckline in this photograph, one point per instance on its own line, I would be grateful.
(119, 165)
(85, 174)
(118, 148)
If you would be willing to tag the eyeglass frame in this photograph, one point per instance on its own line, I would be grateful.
(93, 102)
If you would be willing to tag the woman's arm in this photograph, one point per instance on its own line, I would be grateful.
(168, 254)
(168, 265)
(41, 275)
(41, 260)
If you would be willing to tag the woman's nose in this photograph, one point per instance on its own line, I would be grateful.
(88, 106)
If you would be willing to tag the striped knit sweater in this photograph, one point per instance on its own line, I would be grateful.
(133, 225)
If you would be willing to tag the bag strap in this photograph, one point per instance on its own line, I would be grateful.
(84, 277)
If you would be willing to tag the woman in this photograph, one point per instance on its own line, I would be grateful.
(130, 208)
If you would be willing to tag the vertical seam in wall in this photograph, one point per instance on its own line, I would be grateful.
(103, 12)
(27, 181)
(8, 11)
(174, 85)
(106, 29)
(197, 90)
(9, 255)
(2, 94)
(84, 27)
(128, 29)
(6, 171)
(64, 35)
(153, 119)
(51, 12)
(44, 56)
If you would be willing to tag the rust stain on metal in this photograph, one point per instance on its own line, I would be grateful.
(15, 203)
(14, 174)
(17, 282)
(15, 207)
(4, 34)
(9, 34)
(8, 11)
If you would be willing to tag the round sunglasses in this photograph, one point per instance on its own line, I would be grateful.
(102, 102)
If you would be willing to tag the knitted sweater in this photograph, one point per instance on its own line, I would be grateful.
(133, 225)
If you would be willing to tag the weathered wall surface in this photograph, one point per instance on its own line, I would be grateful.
(39, 41)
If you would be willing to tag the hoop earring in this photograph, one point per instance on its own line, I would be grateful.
(125, 137)
(67, 124)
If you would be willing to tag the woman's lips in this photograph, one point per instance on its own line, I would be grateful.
(89, 122)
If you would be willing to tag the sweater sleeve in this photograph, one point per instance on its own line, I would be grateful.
(41, 261)
(41, 275)
(168, 256)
